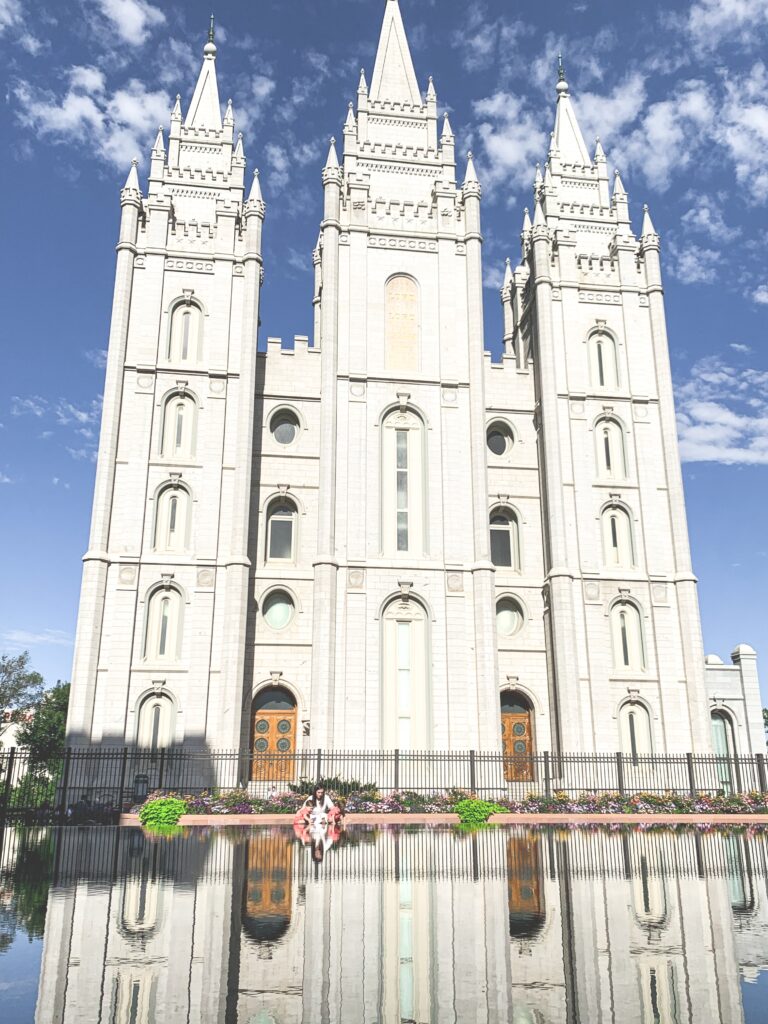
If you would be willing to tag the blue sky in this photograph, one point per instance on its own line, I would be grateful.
(677, 91)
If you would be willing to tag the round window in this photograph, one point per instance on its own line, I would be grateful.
(283, 725)
(278, 609)
(520, 747)
(261, 746)
(262, 725)
(284, 746)
(284, 426)
(499, 439)
(509, 617)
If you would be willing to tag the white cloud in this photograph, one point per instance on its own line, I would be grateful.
(607, 116)
(483, 39)
(96, 356)
(705, 217)
(742, 128)
(10, 14)
(760, 295)
(5, 479)
(22, 638)
(710, 22)
(116, 126)
(34, 406)
(742, 349)
(133, 20)
(693, 264)
(723, 414)
(512, 139)
(250, 108)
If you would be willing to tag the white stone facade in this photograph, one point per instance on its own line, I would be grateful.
(374, 518)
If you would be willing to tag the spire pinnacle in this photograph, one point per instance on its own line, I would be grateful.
(363, 86)
(648, 228)
(350, 122)
(447, 130)
(508, 273)
(210, 47)
(159, 146)
(229, 117)
(526, 221)
(599, 151)
(568, 140)
(176, 112)
(431, 94)
(394, 78)
(539, 219)
(255, 194)
(618, 185)
(205, 109)
(471, 176)
(560, 68)
(239, 153)
(332, 163)
(132, 181)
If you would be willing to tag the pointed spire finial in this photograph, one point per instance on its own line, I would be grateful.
(647, 228)
(526, 221)
(560, 68)
(212, 30)
(431, 94)
(363, 86)
(618, 184)
(159, 146)
(447, 130)
(599, 151)
(471, 175)
(507, 273)
(210, 47)
(332, 163)
(132, 181)
(539, 219)
(256, 189)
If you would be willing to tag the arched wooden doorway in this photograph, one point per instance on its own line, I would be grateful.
(517, 737)
(268, 889)
(525, 887)
(273, 735)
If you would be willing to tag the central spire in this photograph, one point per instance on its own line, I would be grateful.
(205, 109)
(568, 140)
(394, 78)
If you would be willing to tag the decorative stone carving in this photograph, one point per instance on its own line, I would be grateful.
(145, 381)
(592, 591)
(455, 583)
(356, 579)
(205, 577)
(127, 574)
(659, 593)
(604, 298)
(357, 389)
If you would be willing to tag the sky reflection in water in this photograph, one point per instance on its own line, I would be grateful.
(252, 927)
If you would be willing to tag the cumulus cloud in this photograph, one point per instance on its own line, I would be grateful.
(483, 40)
(10, 14)
(511, 139)
(609, 115)
(693, 264)
(116, 126)
(97, 357)
(760, 295)
(133, 20)
(706, 217)
(741, 349)
(32, 406)
(710, 22)
(742, 128)
(5, 479)
(723, 414)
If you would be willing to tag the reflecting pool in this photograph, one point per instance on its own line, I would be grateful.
(261, 926)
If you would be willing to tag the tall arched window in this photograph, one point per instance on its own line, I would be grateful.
(162, 641)
(156, 723)
(403, 485)
(185, 338)
(402, 328)
(179, 427)
(505, 539)
(172, 520)
(406, 718)
(627, 635)
(618, 549)
(649, 896)
(635, 731)
(611, 450)
(282, 518)
(604, 366)
(724, 743)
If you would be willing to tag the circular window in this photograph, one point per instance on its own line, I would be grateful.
(519, 729)
(283, 725)
(278, 609)
(261, 746)
(509, 617)
(520, 747)
(262, 725)
(499, 439)
(284, 426)
(283, 746)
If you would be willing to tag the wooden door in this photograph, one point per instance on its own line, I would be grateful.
(517, 744)
(524, 887)
(274, 743)
(268, 890)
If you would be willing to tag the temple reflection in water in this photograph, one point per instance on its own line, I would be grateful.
(405, 926)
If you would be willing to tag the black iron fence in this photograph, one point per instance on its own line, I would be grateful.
(114, 778)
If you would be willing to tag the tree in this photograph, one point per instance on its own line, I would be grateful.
(44, 733)
(765, 721)
(20, 689)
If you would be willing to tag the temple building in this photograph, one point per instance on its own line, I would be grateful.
(379, 537)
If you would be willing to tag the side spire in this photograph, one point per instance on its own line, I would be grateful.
(394, 77)
(332, 163)
(567, 137)
(205, 109)
(648, 228)
(447, 135)
(132, 181)
(471, 176)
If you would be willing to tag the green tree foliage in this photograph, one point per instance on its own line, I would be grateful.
(44, 733)
(20, 688)
(765, 720)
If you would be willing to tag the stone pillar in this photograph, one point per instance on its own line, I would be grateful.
(326, 565)
(96, 559)
(745, 658)
(484, 573)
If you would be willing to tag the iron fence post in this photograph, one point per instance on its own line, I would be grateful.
(319, 772)
(8, 781)
(620, 773)
(123, 769)
(737, 766)
(472, 772)
(691, 776)
(397, 771)
(547, 775)
(65, 782)
(761, 774)
(161, 770)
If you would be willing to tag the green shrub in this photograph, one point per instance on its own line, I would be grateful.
(336, 785)
(162, 813)
(475, 813)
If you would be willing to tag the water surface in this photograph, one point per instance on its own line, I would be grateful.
(260, 926)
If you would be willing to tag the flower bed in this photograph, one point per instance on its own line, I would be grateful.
(408, 802)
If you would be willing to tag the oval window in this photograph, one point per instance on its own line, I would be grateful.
(509, 617)
(499, 439)
(278, 609)
(284, 427)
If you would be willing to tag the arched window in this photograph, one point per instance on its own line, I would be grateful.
(141, 900)
(505, 539)
(724, 743)
(627, 633)
(156, 723)
(172, 516)
(611, 451)
(604, 366)
(403, 485)
(649, 897)
(282, 518)
(162, 640)
(635, 731)
(406, 723)
(185, 338)
(179, 427)
(402, 324)
(618, 549)
(509, 617)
